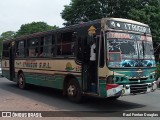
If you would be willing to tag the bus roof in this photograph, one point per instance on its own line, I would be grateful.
(55, 30)
(76, 26)
(127, 21)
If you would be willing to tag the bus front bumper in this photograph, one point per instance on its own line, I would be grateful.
(134, 89)
(130, 89)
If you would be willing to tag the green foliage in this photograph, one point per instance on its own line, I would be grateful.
(79, 11)
(26, 29)
(146, 11)
(34, 27)
(149, 14)
(6, 36)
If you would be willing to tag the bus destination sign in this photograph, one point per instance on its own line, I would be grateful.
(128, 26)
(128, 36)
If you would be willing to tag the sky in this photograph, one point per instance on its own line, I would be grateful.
(14, 13)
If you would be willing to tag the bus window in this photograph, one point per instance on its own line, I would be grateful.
(53, 46)
(65, 44)
(5, 53)
(20, 49)
(33, 47)
(46, 46)
(59, 50)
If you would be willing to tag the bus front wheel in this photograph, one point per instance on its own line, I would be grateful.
(74, 91)
(21, 81)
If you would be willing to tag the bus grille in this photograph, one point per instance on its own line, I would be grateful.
(139, 88)
(135, 79)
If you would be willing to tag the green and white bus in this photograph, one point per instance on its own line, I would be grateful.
(109, 57)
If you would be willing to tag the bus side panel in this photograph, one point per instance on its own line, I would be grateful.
(48, 73)
(45, 80)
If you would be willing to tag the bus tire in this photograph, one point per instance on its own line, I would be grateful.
(21, 81)
(74, 91)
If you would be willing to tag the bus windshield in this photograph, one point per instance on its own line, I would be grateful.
(131, 51)
(127, 48)
(146, 50)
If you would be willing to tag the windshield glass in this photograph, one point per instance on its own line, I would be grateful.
(146, 50)
(129, 50)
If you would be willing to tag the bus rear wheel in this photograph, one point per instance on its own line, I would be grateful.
(21, 81)
(73, 91)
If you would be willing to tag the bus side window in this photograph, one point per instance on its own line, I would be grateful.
(46, 46)
(65, 44)
(33, 44)
(5, 53)
(78, 50)
(52, 51)
(59, 50)
(20, 48)
(31, 52)
(53, 46)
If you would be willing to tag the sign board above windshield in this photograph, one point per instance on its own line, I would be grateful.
(128, 27)
(117, 35)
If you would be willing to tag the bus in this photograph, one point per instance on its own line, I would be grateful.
(107, 58)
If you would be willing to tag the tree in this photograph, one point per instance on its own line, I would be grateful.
(26, 29)
(79, 11)
(149, 14)
(34, 27)
(6, 36)
(146, 11)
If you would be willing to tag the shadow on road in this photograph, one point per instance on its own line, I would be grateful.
(53, 97)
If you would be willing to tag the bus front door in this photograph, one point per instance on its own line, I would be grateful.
(89, 67)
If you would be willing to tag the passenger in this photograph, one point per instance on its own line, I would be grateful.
(92, 65)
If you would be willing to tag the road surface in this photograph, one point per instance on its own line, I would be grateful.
(44, 99)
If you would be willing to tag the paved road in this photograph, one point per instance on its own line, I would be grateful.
(45, 99)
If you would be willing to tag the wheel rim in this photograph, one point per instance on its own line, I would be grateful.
(71, 90)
